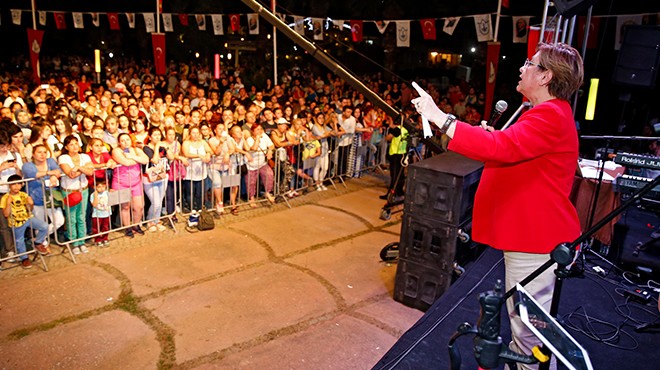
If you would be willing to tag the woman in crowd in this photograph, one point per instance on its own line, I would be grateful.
(140, 136)
(76, 167)
(85, 133)
(40, 133)
(46, 174)
(239, 156)
(155, 177)
(128, 176)
(177, 166)
(296, 135)
(123, 124)
(62, 129)
(261, 150)
(220, 164)
(321, 132)
(198, 153)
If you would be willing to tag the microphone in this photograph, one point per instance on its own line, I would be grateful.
(500, 107)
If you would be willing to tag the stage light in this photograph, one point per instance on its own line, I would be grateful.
(591, 101)
(229, 56)
(196, 55)
(102, 42)
(268, 36)
(216, 73)
(434, 54)
(473, 49)
(503, 56)
(226, 45)
(111, 54)
(97, 60)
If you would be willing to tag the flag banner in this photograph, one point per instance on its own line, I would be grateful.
(534, 37)
(428, 28)
(505, 4)
(520, 29)
(201, 21)
(483, 26)
(253, 23)
(317, 27)
(160, 6)
(299, 24)
(96, 21)
(60, 21)
(450, 25)
(356, 31)
(35, 37)
(622, 22)
(218, 29)
(167, 22)
(492, 58)
(183, 19)
(403, 34)
(149, 22)
(235, 22)
(42, 17)
(130, 17)
(381, 25)
(113, 19)
(16, 16)
(78, 20)
(339, 23)
(158, 42)
(594, 27)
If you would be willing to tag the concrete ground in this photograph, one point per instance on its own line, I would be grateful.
(272, 288)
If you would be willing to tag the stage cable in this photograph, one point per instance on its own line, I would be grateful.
(395, 361)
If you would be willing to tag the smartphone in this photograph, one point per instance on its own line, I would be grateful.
(45, 86)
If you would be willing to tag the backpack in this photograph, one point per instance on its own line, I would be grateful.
(206, 221)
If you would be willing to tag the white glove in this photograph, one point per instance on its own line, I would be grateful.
(427, 108)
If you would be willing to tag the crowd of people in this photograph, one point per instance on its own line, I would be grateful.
(77, 141)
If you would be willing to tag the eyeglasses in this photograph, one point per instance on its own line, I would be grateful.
(530, 63)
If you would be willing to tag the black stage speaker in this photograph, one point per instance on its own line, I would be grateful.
(639, 57)
(569, 8)
(438, 207)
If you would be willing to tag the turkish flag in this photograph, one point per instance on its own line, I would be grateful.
(505, 4)
(35, 38)
(183, 18)
(428, 28)
(592, 40)
(60, 21)
(356, 31)
(158, 42)
(235, 21)
(113, 19)
(492, 57)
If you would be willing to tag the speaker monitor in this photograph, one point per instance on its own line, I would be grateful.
(639, 57)
(569, 8)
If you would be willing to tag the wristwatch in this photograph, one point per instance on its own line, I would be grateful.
(450, 119)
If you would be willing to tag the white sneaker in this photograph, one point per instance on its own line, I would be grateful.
(10, 255)
(75, 250)
(84, 249)
(323, 187)
(319, 188)
(161, 227)
(153, 228)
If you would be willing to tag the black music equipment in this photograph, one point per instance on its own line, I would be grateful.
(639, 57)
(629, 183)
(437, 210)
(638, 160)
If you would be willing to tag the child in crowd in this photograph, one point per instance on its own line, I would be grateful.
(101, 213)
(17, 208)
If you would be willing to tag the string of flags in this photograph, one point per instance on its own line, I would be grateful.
(483, 24)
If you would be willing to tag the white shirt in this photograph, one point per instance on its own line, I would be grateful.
(75, 183)
(348, 124)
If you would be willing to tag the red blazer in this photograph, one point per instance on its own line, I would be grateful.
(522, 201)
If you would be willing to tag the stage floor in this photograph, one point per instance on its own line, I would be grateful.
(587, 300)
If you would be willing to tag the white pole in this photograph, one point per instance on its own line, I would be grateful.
(34, 16)
(497, 20)
(158, 16)
(274, 46)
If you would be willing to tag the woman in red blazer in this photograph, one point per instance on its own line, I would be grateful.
(522, 205)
